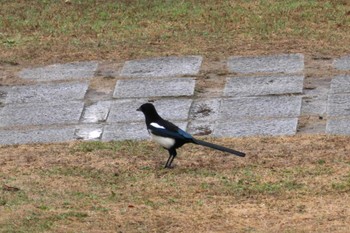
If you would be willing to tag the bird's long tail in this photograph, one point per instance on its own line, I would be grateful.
(217, 147)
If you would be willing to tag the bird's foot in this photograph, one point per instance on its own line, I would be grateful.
(169, 167)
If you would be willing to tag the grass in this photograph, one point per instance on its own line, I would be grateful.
(285, 184)
(121, 186)
(48, 30)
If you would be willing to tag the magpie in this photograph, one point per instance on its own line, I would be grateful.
(171, 137)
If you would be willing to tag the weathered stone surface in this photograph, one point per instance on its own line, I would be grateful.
(286, 63)
(203, 114)
(273, 127)
(200, 128)
(40, 114)
(311, 125)
(340, 84)
(263, 85)
(314, 105)
(342, 63)
(89, 132)
(162, 67)
(315, 96)
(96, 112)
(339, 105)
(130, 131)
(68, 71)
(338, 126)
(9, 137)
(205, 110)
(47, 92)
(170, 109)
(3, 94)
(235, 109)
(154, 88)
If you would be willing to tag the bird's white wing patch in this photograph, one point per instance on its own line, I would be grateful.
(155, 125)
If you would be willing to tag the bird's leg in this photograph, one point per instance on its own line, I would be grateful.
(172, 155)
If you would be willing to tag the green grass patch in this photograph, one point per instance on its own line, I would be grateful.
(148, 28)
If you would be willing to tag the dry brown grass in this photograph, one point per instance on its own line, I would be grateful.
(36, 32)
(285, 184)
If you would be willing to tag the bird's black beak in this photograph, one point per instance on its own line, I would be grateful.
(139, 109)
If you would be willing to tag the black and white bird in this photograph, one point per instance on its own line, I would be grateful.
(171, 137)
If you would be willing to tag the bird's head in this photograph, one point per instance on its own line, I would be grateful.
(148, 110)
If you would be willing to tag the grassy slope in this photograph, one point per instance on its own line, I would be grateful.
(75, 30)
(288, 184)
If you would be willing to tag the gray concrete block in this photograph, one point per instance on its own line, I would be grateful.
(162, 67)
(285, 63)
(342, 63)
(68, 71)
(340, 84)
(201, 128)
(314, 105)
(40, 114)
(97, 112)
(338, 105)
(130, 131)
(47, 92)
(89, 132)
(169, 109)
(338, 126)
(236, 109)
(311, 125)
(10, 137)
(315, 96)
(3, 94)
(205, 110)
(270, 127)
(154, 88)
(264, 85)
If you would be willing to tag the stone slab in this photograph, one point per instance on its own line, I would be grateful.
(130, 131)
(154, 88)
(200, 128)
(311, 125)
(236, 109)
(338, 126)
(205, 110)
(162, 67)
(342, 63)
(40, 114)
(338, 105)
(268, 127)
(97, 112)
(315, 96)
(89, 132)
(47, 92)
(3, 94)
(314, 105)
(264, 85)
(284, 63)
(10, 137)
(340, 84)
(170, 109)
(68, 71)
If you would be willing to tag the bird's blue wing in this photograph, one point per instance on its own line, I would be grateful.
(178, 134)
(184, 134)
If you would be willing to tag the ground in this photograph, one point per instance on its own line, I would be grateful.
(285, 184)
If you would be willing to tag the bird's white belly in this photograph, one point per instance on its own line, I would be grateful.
(163, 141)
